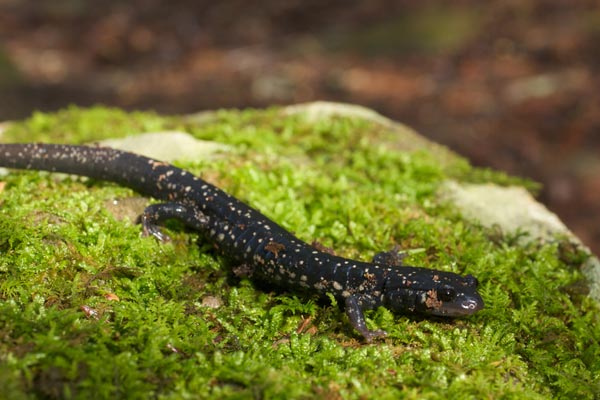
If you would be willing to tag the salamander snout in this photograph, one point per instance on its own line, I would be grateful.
(451, 301)
(471, 304)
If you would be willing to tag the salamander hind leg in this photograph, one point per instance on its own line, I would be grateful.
(391, 258)
(357, 319)
(156, 214)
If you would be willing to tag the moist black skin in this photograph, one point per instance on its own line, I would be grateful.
(262, 248)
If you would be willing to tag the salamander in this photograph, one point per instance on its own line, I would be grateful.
(265, 251)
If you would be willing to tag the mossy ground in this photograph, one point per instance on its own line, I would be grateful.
(89, 309)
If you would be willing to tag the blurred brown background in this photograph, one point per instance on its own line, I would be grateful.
(512, 84)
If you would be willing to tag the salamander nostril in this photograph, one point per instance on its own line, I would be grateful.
(472, 305)
(469, 304)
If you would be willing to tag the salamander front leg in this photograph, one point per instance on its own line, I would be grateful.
(156, 214)
(357, 319)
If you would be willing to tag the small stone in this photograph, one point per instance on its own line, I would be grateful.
(211, 302)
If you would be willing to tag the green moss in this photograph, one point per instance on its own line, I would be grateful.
(64, 258)
(74, 125)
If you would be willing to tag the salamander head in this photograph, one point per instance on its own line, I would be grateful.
(431, 292)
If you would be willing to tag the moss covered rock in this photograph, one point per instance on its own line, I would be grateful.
(88, 308)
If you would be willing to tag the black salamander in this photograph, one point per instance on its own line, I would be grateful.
(265, 250)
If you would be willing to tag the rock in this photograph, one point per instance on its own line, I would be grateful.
(512, 209)
(167, 146)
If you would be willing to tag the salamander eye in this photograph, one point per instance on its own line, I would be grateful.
(446, 294)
